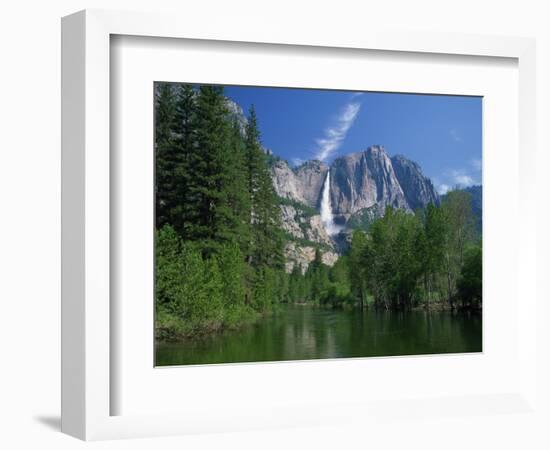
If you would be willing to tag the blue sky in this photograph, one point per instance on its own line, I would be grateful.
(441, 133)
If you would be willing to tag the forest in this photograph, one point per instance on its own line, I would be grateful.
(219, 244)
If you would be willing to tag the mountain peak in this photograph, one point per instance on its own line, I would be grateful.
(371, 151)
(358, 180)
(376, 149)
(313, 163)
(418, 189)
(403, 160)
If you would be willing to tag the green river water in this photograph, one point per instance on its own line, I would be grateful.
(304, 332)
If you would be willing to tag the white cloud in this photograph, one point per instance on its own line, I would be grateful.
(297, 161)
(441, 188)
(463, 180)
(455, 135)
(476, 164)
(336, 133)
(451, 179)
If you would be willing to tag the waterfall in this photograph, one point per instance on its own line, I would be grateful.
(326, 208)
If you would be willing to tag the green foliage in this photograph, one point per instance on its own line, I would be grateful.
(432, 247)
(406, 260)
(476, 195)
(391, 257)
(302, 209)
(457, 210)
(296, 286)
(339, 291)
(357, 270)
(322, 285)
(264, 289)
(197, 294)
(306, 242)
(232, 262)
(470, 282)
(169, 295)
(363, 218)
(166, 153)
(219, 240)
(184, 131)
(266, 238)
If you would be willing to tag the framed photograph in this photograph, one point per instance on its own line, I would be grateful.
(278, 238)
(312, 213)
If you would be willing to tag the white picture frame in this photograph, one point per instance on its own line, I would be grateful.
(87, 385)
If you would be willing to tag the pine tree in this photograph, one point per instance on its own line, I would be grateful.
(237, 188)
(294, 284)
(211, 216)
(166, 153)
(231, 265)
(266, 247)
(168, 276)
(185, 131)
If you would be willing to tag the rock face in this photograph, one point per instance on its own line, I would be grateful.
(303, 255)
(418, 189)
(362, 185)
(305, 232)
(311, 177)
(302, 184)
(300, 225)
(286, 183)
(237, 114)
(358, 180)
(364, 179)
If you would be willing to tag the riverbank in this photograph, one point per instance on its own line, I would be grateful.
(170, 328)
(445, 307)
(298, 332)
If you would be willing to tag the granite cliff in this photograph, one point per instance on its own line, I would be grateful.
(362, 185)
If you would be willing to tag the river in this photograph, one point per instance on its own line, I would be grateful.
(304, 332)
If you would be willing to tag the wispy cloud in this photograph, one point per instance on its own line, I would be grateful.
(461, 178)
(335, 134)
(455, 135)
(297, 161)
(451, 179)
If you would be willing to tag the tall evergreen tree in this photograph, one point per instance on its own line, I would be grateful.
(211, 214)
(185, 132)
(266, 241)
(166, 153)
(238, 191)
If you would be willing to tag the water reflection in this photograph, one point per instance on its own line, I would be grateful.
(302, 332)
